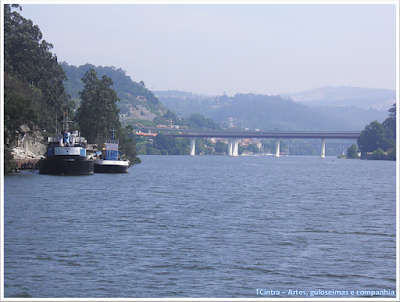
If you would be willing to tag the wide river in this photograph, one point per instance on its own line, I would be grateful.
(204, 227)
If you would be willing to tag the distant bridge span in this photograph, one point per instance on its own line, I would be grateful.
(235, 135)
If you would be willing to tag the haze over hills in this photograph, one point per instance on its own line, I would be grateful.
(345, 108)
(380, 99)
(321, 109)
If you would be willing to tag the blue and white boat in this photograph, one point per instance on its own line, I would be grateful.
(66, 154)
(108, 160)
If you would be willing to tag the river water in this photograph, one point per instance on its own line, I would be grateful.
(204, 227)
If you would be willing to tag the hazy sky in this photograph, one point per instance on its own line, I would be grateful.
(233, 48)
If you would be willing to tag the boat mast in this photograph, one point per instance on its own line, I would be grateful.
(66, 121)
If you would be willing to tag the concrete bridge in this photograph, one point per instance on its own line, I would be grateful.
(234, 136)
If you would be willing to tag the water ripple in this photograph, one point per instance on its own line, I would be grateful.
(208, 227)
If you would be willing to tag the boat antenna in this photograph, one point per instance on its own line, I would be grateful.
(112, 134)
(66, 121)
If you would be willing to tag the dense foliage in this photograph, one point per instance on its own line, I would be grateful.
(34, 93)
(352, 151)
(170, 145)
(195, 121)
(18, 109)
(127, 144)
(390, 123)
(98, 112)
(380, 138)
(373, 137)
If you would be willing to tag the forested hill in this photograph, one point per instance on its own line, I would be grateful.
(131, 93)
(277, 113)
(269, 112)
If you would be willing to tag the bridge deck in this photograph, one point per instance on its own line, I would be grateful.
(256, 134)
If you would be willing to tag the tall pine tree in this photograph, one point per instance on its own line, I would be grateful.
(33, 80)
(98, 112)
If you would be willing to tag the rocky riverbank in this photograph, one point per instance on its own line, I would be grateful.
(30, 148)
(24, 158)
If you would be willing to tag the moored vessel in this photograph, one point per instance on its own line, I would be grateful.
(108, 160)
(66, 154)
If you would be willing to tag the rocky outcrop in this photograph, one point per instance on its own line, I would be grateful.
(31, 145)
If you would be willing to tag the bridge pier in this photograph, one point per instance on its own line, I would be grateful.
(277, 147)
(233, 147)
(235, 151)
(322, 147)
(192, 146)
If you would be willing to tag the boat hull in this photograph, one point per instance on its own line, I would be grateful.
(111, 166)
(66, 165)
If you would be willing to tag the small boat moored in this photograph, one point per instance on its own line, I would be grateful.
(108, 161)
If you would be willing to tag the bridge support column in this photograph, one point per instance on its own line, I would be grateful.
(235, 147)
(277, 147)
(322, 147)
(193, 146)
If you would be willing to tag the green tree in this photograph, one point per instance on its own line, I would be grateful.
(378, 154)
(28, 58)
(98, 112)
(18, 109)
(200, 122)
(221, 147)
(169, 145)
(352, 151)
(374, 137)
(390, 122)
(253, 148)
(127, 144)
(170, 115)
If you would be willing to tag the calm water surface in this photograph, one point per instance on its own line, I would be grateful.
(203, 226)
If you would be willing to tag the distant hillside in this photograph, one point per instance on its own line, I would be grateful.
(380, 99)
(186, 103)
(137, 102)
(276, 113)
(269, 112)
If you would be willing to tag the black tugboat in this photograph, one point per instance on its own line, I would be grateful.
(108, 160)
(66, 154)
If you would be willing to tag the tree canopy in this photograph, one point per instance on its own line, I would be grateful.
(380, 138)
(390, 122)
(98, 112)
(374, 137)
(352, 151)
(33, 80)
